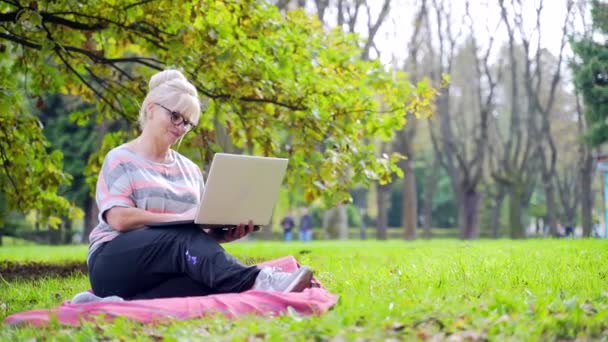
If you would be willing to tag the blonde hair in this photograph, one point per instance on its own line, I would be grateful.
(171, 89)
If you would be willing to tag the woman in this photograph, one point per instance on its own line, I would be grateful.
(145, 181)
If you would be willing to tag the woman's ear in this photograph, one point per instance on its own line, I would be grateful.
(149, 110)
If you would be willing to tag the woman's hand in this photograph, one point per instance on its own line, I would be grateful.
(238, 232)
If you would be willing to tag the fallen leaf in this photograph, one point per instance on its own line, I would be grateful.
(502, 319)
(397, 326)
(468, 335)
(588, 307)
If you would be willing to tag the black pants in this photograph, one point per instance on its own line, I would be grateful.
(176, 261)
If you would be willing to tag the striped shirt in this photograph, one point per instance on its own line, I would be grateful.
(129, 180)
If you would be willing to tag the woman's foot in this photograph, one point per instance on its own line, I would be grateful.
(88, 297)
(273, 280)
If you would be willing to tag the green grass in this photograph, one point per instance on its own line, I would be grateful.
(13, 241)
(43, 253)
(498, 290)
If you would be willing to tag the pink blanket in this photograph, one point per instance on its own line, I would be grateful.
(313, 301)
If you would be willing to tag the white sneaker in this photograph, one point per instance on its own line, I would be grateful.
(88, 297)
(273, 280)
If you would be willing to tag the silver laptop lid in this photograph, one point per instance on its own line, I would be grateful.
(240, 188)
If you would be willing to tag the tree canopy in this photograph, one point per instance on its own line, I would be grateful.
(273, 85)
(591, 74)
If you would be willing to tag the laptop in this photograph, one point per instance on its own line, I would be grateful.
(239, 188)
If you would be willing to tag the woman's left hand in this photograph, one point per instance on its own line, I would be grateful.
(238, 232)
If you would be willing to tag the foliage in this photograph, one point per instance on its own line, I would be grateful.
(276, 85)
(538, 207)
(534, 290)
(77, 142)
(31, 176)
(353, 215)
(591, 75)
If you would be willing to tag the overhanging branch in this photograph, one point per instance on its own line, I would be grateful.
(94, 56)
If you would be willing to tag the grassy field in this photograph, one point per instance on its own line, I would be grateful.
(442, 289)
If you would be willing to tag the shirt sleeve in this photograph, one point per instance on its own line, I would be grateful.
(113, 187)
(201, 182)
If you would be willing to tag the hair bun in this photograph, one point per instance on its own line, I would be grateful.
(164, 77)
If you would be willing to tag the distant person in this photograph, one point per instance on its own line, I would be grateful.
(145, 181)
(569, 230)
(305, 226)
(560, 229)
(287, 223)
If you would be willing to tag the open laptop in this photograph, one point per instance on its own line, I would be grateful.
(239, 188)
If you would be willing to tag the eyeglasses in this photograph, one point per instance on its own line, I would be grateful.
(178, 119)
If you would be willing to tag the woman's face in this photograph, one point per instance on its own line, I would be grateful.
(168, 125)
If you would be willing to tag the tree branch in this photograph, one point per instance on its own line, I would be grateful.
(149, 62)
(250, 99)
(135, 4)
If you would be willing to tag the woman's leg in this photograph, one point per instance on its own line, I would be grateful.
(141, 260)
(180, 286)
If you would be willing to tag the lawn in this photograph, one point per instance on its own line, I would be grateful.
(442, 289)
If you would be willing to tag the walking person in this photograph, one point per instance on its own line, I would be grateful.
(305, 226)
(287, 223)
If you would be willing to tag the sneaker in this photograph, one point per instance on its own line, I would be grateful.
(88, 297)
(273, 280)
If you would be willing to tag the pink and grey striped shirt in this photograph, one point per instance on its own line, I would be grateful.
(129, 180)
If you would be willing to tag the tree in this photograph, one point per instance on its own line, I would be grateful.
(515, 161)
(347, 17)
(62, 133)
(585, 174)
(541, 103)
(404, 140)
(30, 175)
(591, 80)
(463, 108)
(265, 76)
(591, 74)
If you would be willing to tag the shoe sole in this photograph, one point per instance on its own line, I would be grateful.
(302, 281)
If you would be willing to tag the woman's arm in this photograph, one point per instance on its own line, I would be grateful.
(124, 219)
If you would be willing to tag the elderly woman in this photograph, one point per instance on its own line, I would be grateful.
(145, 181)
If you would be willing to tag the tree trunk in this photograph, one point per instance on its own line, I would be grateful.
(335, 223)
(515, 212)
(36, 222)
(469, 214)
(266, 230)
(91, 213)
(430, 185)
(496, 211)
(363, 227)
(67, 231)
(410, 205)
(382, 198)
(586, 193)
(551, 207)
(570, 217)
(342, 222)
(55, 236)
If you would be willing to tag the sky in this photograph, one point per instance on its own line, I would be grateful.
(395, 32)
